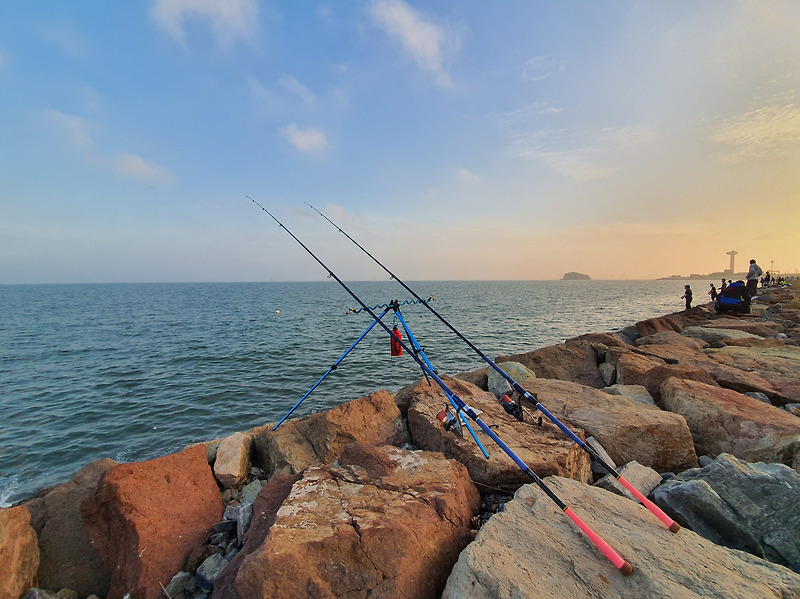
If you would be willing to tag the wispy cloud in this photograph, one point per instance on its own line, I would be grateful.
(541, 67)
(131, 165)
(65, 35)
(295, 88)
(308, 141)
(230, 21)
(76, 133)
(421, 39)
(767, 132)
(467, 176)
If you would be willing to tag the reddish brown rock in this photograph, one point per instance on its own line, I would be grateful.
(722, 420)
(19, 553)
(774, 371)
(320, 438)
(545, 449)
(479, 378)
(627, 429)
(654, 377)
(656, 325)
(629, 366)
(146, 517)
(760, 328)
(67, 557)
(386, 523)
(671, 338)
(574, 361)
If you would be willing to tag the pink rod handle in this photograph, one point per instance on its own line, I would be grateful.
(615, 558)
(668, 522)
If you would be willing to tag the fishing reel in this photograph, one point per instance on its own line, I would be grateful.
(450, 421)
(511, 407)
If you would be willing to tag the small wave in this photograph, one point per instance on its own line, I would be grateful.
(7, 488)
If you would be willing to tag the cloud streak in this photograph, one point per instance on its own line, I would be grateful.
(767, 132)
(308, 141)
(230, 21)
(421, 39)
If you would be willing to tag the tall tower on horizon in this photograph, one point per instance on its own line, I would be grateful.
(732, 254)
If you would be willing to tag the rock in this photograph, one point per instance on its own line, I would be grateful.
(597, 468)
(792, 408)
(725, 421)
(146, 517)
(627, 429)
(657, 325)
(232, 465)
(574, 361)
(531, 550)
(209, 570)
(499, 386)
(37, 593)
(631, 367)
(384, 523)
(654, 377)
(320, 438)
(760, 329)
(608, 373)
(251, 490)
(179, 584)
(710, 335)
(644, 479)
(752, 507)
(479, 378)
(66, 555)
(635, 392)
(19, 552)
(545, 449)
(776, 367)
(671, 338)
(67, 594)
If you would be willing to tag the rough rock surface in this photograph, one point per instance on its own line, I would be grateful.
(574, 361)
(752, 507)
(725, 421)
(67, 558)
(635, 392)
(644, 479)
(627, 429)
(711, 335)
(146, 517)
(759, 328)
(19, 553)
(545, 449)
(233, 460)
(778, 367)
(658, 325)
(498, 385)
(653, 378)
(385, 523)
(669, 338)
(320, 438)
(531, 550)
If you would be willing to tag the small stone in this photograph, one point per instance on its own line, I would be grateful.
(178, 585)
(209, 570)
(759, 396)
(67, 594)
(704, 460)
(249, 492)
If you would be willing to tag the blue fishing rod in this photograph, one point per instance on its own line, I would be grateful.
(658, 512)
(622, 565)
(333, 367)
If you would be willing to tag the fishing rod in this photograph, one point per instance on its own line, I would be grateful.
(333, 367)
(622, 565)
(658, 512)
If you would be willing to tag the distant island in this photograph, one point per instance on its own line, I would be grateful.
(576, 276)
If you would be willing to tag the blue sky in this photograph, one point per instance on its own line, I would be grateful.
(455, 140)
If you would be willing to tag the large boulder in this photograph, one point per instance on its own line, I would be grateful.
(19, 553)
(574, 361)
(725, 421)
(67, 557)
(752, 507)
(320, 438)
(629, 430)
(714, 334)
(545, 449)
(146, 517)
(654, 377)
(671, 338)
(385, 522)
(778, 367)
(759, 327)
(497, 384)
(658, 325)
(532, 551)
(631, 366)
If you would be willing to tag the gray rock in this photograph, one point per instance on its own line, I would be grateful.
(705, 460)
(752, 507)
(608, 373)
(499, 386)
(36, 593)
(711, 335)
(250, 491)
(635, 392)
(644, 479)
(243, 519)
(209, 570)
(600, 451)
(792, 408)
(179, 584)
(759, 396)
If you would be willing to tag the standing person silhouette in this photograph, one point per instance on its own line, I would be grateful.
(752, 278)
(687, 295)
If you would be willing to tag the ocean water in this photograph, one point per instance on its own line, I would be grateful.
(134, 371)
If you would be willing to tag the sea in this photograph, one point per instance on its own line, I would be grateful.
(136, 371)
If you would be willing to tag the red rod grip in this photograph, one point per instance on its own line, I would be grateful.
(668, 522)
(615, 558)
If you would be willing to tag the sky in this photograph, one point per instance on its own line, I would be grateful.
(452, 139)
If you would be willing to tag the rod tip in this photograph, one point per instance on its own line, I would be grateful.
(626, 569)
(674, 527)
